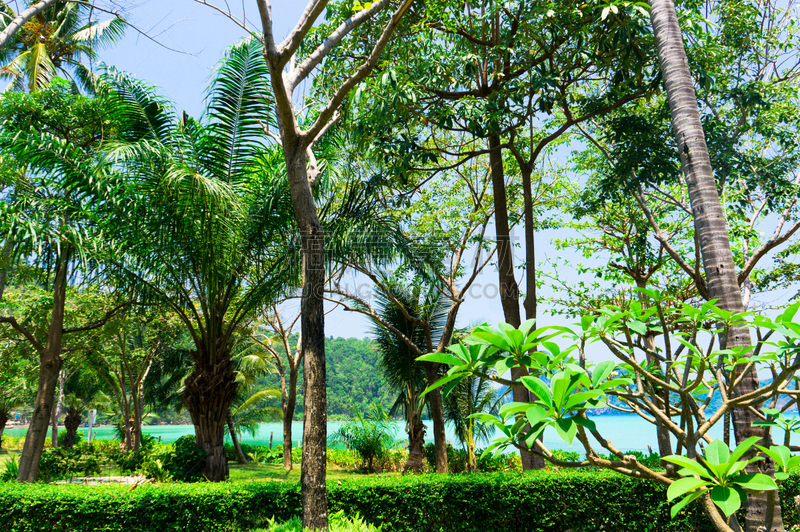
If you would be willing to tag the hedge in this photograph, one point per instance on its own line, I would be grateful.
(533, 502)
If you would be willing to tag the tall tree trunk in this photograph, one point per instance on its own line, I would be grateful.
(709, 224)
(49, 365)
(288, 416)
(240, 457)
(531, 303)
(315, 429)
(437, 415)
(72, 422)
(208, 393)
(62, 381)
(509, 289)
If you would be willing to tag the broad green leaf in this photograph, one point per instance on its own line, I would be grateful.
(526, 326)
(677, 507)
(726, 499)
(743, 447)
(717, 452)
(566, 429)
(442, 358)
(539, 388)
(601, 371)
(689, 464)
(585, 422)
(535, 414)
(493, 338)
(684, 485)
(443, 381)
(755, 482)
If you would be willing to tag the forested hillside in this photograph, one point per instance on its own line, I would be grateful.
(354, 380)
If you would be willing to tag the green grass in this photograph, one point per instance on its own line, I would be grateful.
(275, 472)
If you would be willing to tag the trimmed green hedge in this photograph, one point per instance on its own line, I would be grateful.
(539, 501)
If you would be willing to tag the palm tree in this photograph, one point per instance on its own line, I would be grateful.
(709, 225)
(206, 224)
(58, 40)
(208, 229)
(398, 361)
(472, 395)
(370, 435)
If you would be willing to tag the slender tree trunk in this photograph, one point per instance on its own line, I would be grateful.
(288, 416)
(240, 457)
(72, 422)
(49, 365)
(315, 430)
(62, 381)
(531, 302)
(208, 393)
(509, 289)
(709, 223)
(4, 413)
(437, 415)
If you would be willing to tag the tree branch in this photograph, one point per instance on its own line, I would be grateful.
(22, 18)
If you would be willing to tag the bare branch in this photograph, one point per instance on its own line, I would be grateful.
(296, 75)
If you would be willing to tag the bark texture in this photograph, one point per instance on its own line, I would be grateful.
(240, 457)
(416, 444)
(208, 394)
(437, 416)
(508, 289)
(709, 223)
(289, 403)
(72, 421)
(50, 363)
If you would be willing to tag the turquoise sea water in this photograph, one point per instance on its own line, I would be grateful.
(626, 432)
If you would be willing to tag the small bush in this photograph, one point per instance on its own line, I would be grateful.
(338, 523)
(10, 471)
(80, 459)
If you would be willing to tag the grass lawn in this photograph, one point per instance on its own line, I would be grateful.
(272, 472)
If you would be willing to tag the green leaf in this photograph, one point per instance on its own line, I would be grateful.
(684, 485)
(717, 452)
(743, 447)
(755, 482)
(535, 414)
(566, 429)
(689, 464)
(442, 358)
(585, 422)
(683, 502)
(726, 499)
(601, 371)
(539, 388)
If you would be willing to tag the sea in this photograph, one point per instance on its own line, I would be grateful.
(626, 432)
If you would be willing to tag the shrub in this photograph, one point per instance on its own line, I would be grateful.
(581, 501)
(10, 470)
(338, 523)
(63, 462)
(370, 435)
(62, 437)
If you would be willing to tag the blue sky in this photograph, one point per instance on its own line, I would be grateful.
(202, 34)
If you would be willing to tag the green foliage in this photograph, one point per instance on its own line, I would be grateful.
(10, 471)
(533, 502)
(183, 463)
(339, 522)
(371, 436)
(720, 474)
(486, 463)
(80, 459)
(62, 435)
